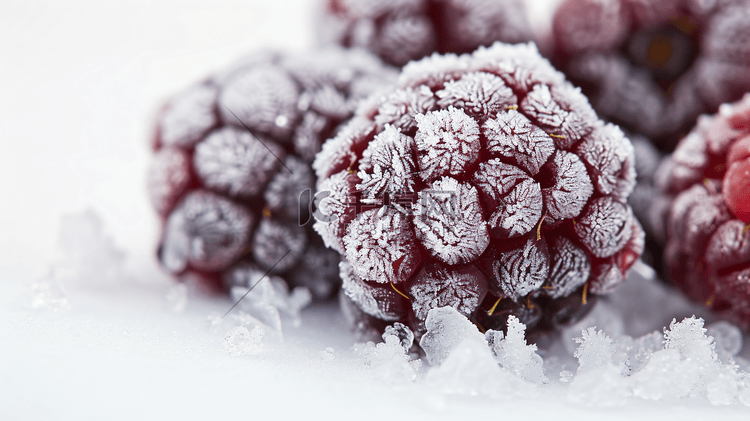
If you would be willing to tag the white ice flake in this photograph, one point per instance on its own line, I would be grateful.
(514, 355)
(381, 246)
(447, 143)
(387, 166)
(449, 221)
(479, 94)
(388, 361)
(605, 227)
(511, 135)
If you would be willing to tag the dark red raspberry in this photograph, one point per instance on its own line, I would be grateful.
(402, 30)
(706, 186)
(653, 66)
(231, 164)
(483, 182)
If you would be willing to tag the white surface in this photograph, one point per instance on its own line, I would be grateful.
(79, 83)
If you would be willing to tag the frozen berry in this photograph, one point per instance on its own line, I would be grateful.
(482, 182)
(231, 176)
(707, 184)
(403, 30)
(653, 66)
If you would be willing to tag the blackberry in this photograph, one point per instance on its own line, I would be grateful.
(232, 158)
(483, 182)
(653, 66)
(402, 30)
(705, 185)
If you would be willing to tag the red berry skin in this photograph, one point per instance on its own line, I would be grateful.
(511, 194)
(706, 185)
(736, 189)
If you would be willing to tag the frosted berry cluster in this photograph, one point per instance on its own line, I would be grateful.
(232, 158)
(483, 182)
(707, 212)
(653, 66)
(402, 30)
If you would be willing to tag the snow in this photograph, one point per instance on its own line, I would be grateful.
(91, 329)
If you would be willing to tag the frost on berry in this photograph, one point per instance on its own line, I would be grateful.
(400, 108)
(282, 194)
(495, 179)
(610, 157)
(381, 246)
(447, 143)
(276, 246)
(381, 301)
(561, 110)
(449, 221)
(518, 212)
(327, 101)
(436, 285)
(387, 166)
(479, 94)
(701, 220)
(336, 204)
(234, 161)
(729, 246)
(309, 136)
(583, 25)
(605, 226)
(482, 22)
(571, 186)
(205, 231)
(263, 99)
(569, 268)
(522, 270)
(342, 152)
(608, 273)
(169, 177)
(511, 135)
(403, 38)
(189, 116)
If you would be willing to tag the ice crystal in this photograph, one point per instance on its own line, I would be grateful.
(447, 143)
(522, 270)
(379, 301)
(234, 161)
(276, 246)
(239, 341)
(479, 95)
(189, 116)
(446, 328)
(388, 361)
(518, 212)
(514, 355)
(169, 176)
(401, 107)
(402, 332)
(262, 99)
(569, 268)
(572, 186)
(205, 231)
(511, 135)
(462, 288)
(605, 227)
(382, 247)
(334, 202)
(611, 161)
(449, 221)
(387, 166)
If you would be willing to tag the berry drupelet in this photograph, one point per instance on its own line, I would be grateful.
(705, 212)
(653, 66)
(232, 156)
(402, 30)
(483, 182)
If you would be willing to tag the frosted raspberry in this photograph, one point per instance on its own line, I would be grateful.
(484, 182)
(231, 176)
(653, 65)
(403, 30)
(705, 226)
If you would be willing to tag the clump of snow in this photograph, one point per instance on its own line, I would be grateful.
(389, 360)
(269, 299)
(239, 341)
(446, 328)
(599, 381)
(514, 355)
